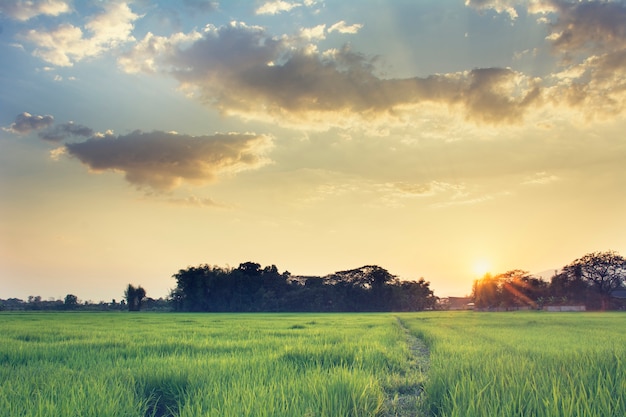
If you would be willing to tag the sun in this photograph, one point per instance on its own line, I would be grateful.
(481, 267)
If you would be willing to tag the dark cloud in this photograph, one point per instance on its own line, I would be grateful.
(26, 123)
(589, 25)
(590, 37)
(497, 94)
(162, 160)
(65, 130)
(597, 26)
(243, 70)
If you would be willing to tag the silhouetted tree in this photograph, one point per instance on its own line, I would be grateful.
(34, 302)
(568, 288)
(412, 296)
(134, 297)
(71, 302)
(605, 272)
(202, 288)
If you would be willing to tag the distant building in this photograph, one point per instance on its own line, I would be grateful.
(459, 303)
(565, 308)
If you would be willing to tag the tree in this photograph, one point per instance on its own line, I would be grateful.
(134, 297)
(203, 288)
(140, 294)
(485, 292)
(34, 302)
(572, 289)
(515, 288)
(605, 272)
(71, 302)
(412, 296)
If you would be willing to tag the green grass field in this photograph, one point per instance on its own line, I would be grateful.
(200, 364)
(525, 364)
(322, 365)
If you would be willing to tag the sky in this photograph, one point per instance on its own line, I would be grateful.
(436, 138)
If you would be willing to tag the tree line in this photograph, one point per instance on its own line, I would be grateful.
(71, 303)
(596, 280)
(252, 288)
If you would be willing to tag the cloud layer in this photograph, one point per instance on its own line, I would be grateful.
(243, 70)
(246, 71)
(162, 161)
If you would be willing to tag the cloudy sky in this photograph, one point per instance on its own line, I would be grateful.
(435, 138)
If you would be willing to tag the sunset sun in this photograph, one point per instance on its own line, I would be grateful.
(481, 267)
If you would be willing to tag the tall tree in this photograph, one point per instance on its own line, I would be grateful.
(71, 302)
(134, 297)
(605, 272)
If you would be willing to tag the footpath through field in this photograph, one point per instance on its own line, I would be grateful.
(407, 398)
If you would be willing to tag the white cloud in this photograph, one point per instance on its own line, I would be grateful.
(500, 6)
(396, 194)
(276, 6)
(23, 10)
(57, 153)
(313, 34)
(466, 198)
(342, 27)
(67, 44)
(540, 178)
(541, 7)
(194, 201)
(144, 55)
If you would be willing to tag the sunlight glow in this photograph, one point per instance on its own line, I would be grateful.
(481, 267)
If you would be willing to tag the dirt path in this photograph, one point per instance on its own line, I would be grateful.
(406, 399)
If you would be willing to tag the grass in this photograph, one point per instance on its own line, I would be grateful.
(315, 365)
(525, 364)
(113, 364)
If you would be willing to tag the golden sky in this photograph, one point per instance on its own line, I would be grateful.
(435, 139)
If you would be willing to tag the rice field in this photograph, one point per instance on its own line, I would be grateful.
(525, 364)
(228, 365)
(317, 365)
